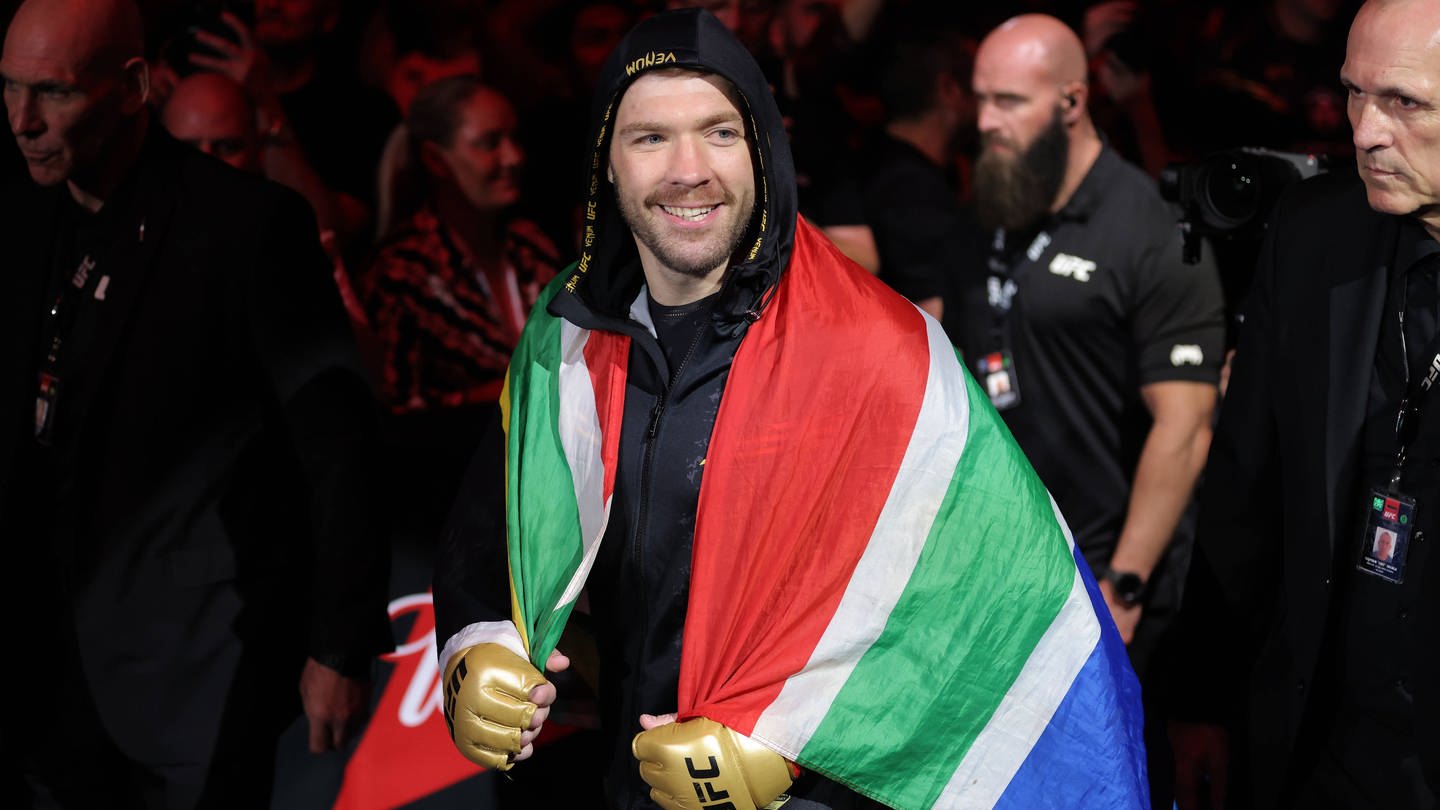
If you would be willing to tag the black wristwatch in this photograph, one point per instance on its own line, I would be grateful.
(1127, 584)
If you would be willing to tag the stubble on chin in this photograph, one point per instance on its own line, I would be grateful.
(675, 252)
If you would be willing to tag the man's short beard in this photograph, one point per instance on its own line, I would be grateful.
(672, 255)
(1015, 193)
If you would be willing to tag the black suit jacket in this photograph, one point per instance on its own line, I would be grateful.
(1280, 481)
(222, 522)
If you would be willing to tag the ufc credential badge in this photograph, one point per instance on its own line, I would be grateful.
(1385, 539)
(996, 371)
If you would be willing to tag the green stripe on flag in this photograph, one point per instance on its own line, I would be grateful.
(995, 545)
(540, 498)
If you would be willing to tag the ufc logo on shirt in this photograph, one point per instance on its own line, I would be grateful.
(1072, 267)
(1186, 354)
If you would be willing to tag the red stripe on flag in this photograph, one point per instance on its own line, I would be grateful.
(816, 417)
(607, 356)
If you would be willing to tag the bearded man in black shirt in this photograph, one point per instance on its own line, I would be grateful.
(1098, 344)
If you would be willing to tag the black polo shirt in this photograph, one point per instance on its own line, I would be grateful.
(921, 230)
(1100, 304)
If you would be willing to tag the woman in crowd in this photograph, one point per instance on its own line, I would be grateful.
(455, 277)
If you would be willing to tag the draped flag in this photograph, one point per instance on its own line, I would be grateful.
(882, 590)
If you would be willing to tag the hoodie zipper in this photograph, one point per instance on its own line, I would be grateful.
(658, 411)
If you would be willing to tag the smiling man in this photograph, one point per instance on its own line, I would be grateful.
(777, 490)
(680, 164)
(1310, 676)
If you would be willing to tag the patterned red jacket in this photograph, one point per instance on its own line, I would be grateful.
(446, 329)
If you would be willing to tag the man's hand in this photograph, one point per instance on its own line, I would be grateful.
(1126, 616)
(335, 705)
(1201, 765)
(1104, 20)
(242, 60)
(1125, 85)
(496, 703)
(700, 763)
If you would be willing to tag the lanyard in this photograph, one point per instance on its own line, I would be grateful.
(1407, 420)
(1000, 287)
(59, 323)
(60, 318)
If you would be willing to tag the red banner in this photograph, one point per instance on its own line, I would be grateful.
(406, 753)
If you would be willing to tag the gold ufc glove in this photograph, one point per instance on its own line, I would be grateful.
(487, 703)
(702, 764)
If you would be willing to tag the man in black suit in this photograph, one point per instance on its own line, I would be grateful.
(1307, 673)
(185, 443)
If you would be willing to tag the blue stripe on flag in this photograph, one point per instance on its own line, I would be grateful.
(1092, 753)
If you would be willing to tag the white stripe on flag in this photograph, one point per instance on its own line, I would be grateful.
(884, 569)
(580, 436)
(1030, 702)
(502, 633)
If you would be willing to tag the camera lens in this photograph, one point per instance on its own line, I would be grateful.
(1232, 191)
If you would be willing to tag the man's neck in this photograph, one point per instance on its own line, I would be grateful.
(673, 289)
(929, 137)
(90, 193)
(1085, 149)
(1430, 220)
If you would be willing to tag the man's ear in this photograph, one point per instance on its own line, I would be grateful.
(948, 91)
(432, 158)
(1074, 100)
(136, 85)
(610, 173)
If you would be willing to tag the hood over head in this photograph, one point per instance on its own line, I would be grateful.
(608, 275)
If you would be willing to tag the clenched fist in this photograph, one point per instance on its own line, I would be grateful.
(701, 764)
(489, 704)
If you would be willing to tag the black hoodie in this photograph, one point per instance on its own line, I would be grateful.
(640, 584)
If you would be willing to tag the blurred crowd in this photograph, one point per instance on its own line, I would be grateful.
(446, 207)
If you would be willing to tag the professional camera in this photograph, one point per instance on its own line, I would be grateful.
(1228, 195)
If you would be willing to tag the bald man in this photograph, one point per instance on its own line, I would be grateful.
(1309, 675)
(1102, 347)
(185, 436)
(212, 113)
(1098, 345)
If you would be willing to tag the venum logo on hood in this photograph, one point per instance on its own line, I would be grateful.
(649, 60)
